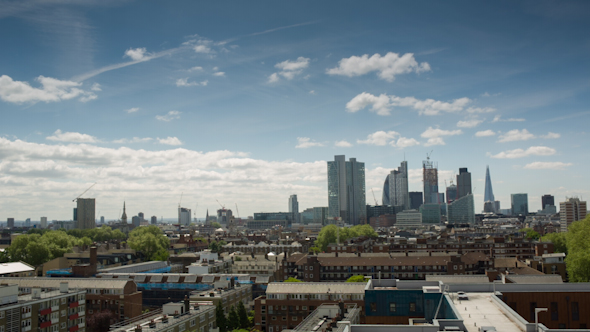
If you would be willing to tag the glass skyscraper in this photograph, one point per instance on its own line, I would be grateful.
(520, 204)
(346, 190)
(398, 186)
(461, 211)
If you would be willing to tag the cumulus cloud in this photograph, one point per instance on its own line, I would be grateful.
(219, 74)
(404, 142)
(96, 87)
(435, 135)
(60, 136)
(485, 133)
(51, 90)
(137, 54)
(516, 135)
(553, 165)
(498, 118)
(520, 153)
(480, 110)
(306, 142)
(551, 135)
(289, 69)
(169, 141)
(380, 138)
(185, 82)
(342, 144)
(387, 66)
(196, 68)
(132, 110)
(383, 104)
(172, 115)
(471, 123)
(202, 49)
(133, 140)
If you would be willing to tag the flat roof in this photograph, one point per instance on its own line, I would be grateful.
(15, 267)
(316, 287)
(479, 311)
(83, 283)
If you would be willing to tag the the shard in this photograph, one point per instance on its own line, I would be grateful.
(489, 193)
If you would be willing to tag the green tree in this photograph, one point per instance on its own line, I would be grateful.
(150, 241)
(578, 251)
(331, 233)
(220, 318)
(233, 320)
(357, 278)
(530, 233)
(291, 279)
(37, 249)
(243, 316)
(558, 240)
(216, 224)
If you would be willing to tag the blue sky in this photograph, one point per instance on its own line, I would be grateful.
(245, 102)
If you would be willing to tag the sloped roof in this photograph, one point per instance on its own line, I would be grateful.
(15, 267)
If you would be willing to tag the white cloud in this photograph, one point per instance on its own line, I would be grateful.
(133, 140)
(202, 49)
(137, 54)
(306, 142)
(312, 92)
(185, 82)
(60, 136)
(52, 90)
(172, 115)
(481, 110)
(404, 142)
(380, 138)
(383, 104)
(551, 135)
(196, 68)
(169, 141)
(289, 69)
(516, 135)
(498, 118)
(435, 141)
(96, 87)
(471, 123)
(342, 144)
(132, 110)
(219, 74)
(520, 153)
(387, 66)
(485, 133)
(437, 132)
(553, 165)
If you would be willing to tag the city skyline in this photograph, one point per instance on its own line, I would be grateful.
(245, 104)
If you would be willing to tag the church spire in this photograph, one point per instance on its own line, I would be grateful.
(124, 216)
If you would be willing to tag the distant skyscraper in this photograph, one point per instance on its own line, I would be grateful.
(385, 199)
(520, 204)
(463, 183)
(461, 211)
(102, 219)
(43, 223)
(398, 186)
(154, 220)
(547, 200)
(415, 199)
(224, 216)
(86, 213)
(10, 222)
(135, 221)
(430, 179)
(488, 198)
(346, 190)
(571, 210)
(124, 215)
(141, 215)
(294, 208)
(452, 193)
(184, 216)
(319, 214)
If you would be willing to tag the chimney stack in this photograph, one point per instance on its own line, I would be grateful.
(93, 256)
(187, 305)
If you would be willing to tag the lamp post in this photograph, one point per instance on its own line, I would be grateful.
(537, 311)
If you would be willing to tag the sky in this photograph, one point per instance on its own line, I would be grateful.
(241, 104)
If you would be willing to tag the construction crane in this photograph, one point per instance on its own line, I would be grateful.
(222, 206)
(237, 211)
(179, 202)
(374, 196)
(75, 199)
(429, 154)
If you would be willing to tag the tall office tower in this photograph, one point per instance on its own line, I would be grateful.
(488, 198)
(102, 219)
(86, 213)
(547, 200)
(43, 222)
(346, 190)
(319, 214)
(294, 208)
(462, 210)
(223, 216)
(28, 222)
(415, 199)
(10, 222)
(135, 221)
(571, 210)
(430, 179)
(463, 182)
(124, 215)
(520, 204)
(141, 215)
(184, 216)
(452, 193)
(385, 199)
(154, 220)
(398, 186)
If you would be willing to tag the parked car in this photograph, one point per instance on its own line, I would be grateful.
(462, 296)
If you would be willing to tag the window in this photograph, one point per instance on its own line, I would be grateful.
(311, 268)
(412, 306)
(294, 318)
(274, 318)
(554, 311)
(1, 314)
(532, 306)
(373, 307)
(194, 322)
(181, 327)
(575, 311)
(63, 300)
(63, 313)
(311, 275)
(392, 307)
